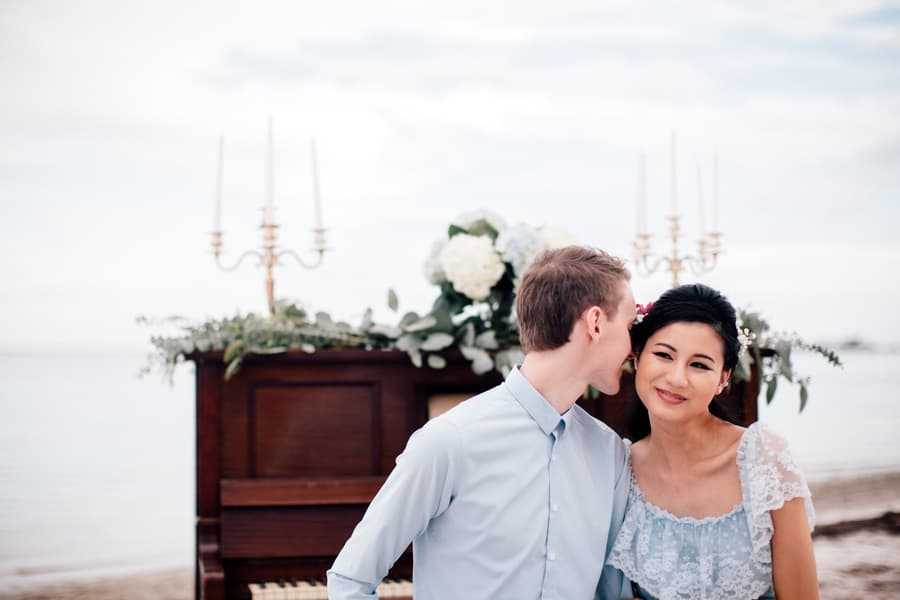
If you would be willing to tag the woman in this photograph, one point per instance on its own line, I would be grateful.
(715, 510)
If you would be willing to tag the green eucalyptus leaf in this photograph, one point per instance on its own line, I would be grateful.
(408, 342)
(481, 360)
(294, 312)
(308, 348)
(423, 323)
(385, 330)
(454, 230)
(234, 349)
(233, 367)
(804, 396)
(436, 361)
(482, 227)
(487, 340)
(416, 357)
(268, 349)
(323, 319)
(410, 317)
(393, 303)
(770, 389)
(437, 341)
(443, 320)
(468, 335)
(366, 320)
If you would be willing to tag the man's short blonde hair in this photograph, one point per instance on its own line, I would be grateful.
(559, 286)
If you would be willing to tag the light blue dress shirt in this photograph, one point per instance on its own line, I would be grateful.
(502, 498)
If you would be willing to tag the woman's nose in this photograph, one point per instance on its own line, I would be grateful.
(677, 375)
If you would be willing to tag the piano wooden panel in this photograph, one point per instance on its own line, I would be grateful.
(292, 449)
(314, 429)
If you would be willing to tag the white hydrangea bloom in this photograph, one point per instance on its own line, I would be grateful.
(471, 265)
(467, 219)
(434, 272)
(519, 246)
(557, 237)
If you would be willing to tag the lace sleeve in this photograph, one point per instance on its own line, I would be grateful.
(769, 478)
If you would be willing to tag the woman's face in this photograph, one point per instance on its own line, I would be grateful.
(679, 371)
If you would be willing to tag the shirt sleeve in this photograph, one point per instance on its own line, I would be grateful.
(418, 489)
(613, 584)
(769, 478)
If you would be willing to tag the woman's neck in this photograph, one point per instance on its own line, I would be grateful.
(682, 446)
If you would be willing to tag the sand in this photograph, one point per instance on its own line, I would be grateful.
(857, 552)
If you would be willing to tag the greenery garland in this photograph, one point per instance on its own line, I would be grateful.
(482, 327)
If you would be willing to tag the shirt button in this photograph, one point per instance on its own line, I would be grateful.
(552, 556)
(555, 507)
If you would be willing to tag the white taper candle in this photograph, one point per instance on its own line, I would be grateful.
(715, 199)
(315, 175)
(700, 205)
(217, 211)
(674, 192)
(269, 209)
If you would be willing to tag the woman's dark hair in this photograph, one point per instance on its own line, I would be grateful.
(691, 303)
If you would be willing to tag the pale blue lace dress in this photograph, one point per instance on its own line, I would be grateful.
(727, 557)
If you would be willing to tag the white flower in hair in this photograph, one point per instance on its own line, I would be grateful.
(745, 338)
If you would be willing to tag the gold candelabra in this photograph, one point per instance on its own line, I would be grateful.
(709, 246)
(269, 253)
(708, 250)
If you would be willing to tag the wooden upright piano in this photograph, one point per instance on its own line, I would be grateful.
(291, 450)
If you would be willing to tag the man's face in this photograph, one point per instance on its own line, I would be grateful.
(614, 343)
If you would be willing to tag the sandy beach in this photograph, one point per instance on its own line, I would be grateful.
(857, 543)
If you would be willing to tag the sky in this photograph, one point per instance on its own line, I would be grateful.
(111, 114)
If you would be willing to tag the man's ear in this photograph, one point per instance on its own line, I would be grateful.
(595, 320)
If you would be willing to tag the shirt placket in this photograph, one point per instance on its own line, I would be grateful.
(553, 548)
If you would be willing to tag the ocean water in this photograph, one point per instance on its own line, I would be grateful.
(97, 466)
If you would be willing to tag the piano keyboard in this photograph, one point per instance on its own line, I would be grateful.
(316, 590)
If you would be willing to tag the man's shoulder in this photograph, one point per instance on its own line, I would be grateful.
(595, 428)
(477, 407)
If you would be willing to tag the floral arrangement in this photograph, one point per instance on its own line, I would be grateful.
(477, 268)
(772, 352)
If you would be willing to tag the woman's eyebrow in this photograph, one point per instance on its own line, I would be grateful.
(698, 355)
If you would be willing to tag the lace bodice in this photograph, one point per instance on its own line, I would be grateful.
(724, 557)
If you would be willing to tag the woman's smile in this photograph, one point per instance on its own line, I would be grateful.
(670, 397)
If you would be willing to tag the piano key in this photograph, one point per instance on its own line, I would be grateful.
(257, 591)
(316, 590)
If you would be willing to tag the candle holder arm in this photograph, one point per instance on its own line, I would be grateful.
(240, 260)
(299, 259)
(646, 267)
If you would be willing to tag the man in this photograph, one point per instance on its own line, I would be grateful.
(516, 493)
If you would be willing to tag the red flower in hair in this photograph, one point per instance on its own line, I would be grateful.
(642, 310)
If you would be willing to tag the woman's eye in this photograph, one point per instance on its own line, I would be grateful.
(700, 365)
(661, 354)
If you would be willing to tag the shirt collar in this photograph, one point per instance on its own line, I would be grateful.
(535, 404)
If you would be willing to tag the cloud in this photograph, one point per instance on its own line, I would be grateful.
(422, 110)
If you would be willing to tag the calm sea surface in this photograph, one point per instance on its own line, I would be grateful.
(96, 465)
